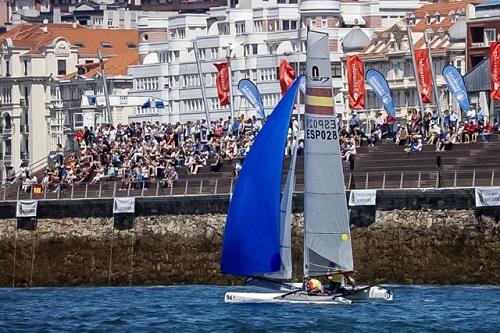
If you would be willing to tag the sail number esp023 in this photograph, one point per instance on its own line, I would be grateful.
(324, 129)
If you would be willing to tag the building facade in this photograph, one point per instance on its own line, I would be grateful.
(45, 69)
(256, 35)
(389, 53)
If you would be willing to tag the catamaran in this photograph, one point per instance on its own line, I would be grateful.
(257, 236)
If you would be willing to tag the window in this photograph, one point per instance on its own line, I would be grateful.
(106, 45)
(313, 23)
(25, 67)
(61, 67)
(254, 49)
(131, 45)
(288, 25)
(324, 22)
(240, 28)
(489, 36)
(336, 70)
(7, 68)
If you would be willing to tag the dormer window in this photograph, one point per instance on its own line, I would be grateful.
(106, 45)
(131, 45)
(428, 18)
(453, 16)
(79, 44)
(438, 18)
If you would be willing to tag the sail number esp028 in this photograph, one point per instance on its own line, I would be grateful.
(324, 129)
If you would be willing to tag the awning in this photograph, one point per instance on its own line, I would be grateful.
(479, 78)
(353, 19)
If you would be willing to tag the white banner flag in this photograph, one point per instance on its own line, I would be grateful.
(487, 196)
(362, 197)
(26, 208)
(124, 205)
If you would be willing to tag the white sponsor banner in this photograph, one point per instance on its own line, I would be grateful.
(487, 196)
(124, 205)
(362, 197)
(26, 208)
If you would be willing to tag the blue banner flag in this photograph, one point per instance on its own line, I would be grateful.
(456, 83)
(250, 91)
(381, 88)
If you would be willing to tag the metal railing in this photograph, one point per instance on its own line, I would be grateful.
(225, 185)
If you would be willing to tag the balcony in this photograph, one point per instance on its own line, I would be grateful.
(478, 45)
(24, 129)
(5, 130)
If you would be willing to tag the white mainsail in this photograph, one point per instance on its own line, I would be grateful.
(327, 239)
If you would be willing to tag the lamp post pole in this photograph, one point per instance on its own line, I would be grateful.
(230, 79)
(433, 75)
(297, 73)
(105, 87)
(415, 70)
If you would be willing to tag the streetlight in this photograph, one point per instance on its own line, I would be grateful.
(230, 79)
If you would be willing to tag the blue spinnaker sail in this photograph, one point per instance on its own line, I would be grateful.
(251, 243)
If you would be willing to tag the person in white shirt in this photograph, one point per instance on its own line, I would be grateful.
(453, 120)
(471, 114)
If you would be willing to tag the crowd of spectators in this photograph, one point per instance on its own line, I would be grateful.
(136, 153)
(415, 132)
(139, 152)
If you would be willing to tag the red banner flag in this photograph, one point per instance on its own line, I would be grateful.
(287, 76)
(356, 82)
(424, 74)
(222, 83)
(495, 70)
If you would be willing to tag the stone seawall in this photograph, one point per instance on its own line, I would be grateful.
(420, 237)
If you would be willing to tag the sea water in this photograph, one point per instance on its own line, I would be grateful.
(202, 309)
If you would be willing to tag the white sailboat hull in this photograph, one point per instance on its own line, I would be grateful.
(358, 294)
(241, 297)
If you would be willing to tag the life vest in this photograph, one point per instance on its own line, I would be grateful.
(336, 278)
(313, 284)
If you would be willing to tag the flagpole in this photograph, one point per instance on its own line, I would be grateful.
(230, 79)
(436, 92)
(202, 82)
(415, 70)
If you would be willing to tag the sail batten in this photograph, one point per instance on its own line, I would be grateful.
(327, 239)
(251, 242)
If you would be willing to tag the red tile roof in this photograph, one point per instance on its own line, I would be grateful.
(421, 25)
(35, 37)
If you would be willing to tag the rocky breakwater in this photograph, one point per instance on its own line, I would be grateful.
(428, 247)
(159, 250)
(395, 246)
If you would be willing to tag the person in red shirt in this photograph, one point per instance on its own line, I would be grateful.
(473, 132)
(487, 131)
(466, 133)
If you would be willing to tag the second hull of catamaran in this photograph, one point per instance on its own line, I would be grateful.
(299, 297)
(368, 292)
